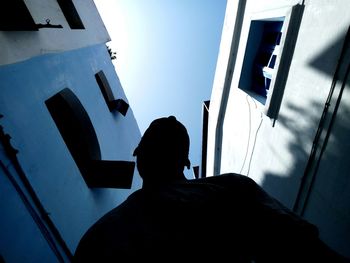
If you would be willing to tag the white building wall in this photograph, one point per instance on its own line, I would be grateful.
(224, 69)
(230, 59)
(276, 156)
(20, 45)
(241, 108)
(328, 206)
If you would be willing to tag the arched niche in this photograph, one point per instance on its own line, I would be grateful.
(78, 133)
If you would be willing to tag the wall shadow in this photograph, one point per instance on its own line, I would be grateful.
(329, 204)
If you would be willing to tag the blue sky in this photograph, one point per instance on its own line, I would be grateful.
(166, 57)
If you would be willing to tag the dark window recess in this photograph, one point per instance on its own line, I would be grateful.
(265, 59)
(71, 14)
(205, 118)
(79, 135)
(112, 103)
(263, 47)
(15, 16)
(268, 55)
(196, 171)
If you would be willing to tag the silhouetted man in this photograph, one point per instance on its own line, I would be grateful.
(221, 218)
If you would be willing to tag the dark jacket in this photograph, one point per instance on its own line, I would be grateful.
(222, 218)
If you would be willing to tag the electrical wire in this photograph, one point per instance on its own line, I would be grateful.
(255, 137)
(249, 131)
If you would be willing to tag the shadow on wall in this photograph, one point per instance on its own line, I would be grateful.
(285, 184)
(325, 64)
(328, 205)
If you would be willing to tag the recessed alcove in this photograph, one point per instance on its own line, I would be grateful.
(79, 135)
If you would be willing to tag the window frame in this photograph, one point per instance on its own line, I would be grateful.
(291, 23)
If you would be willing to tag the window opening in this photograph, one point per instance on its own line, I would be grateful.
(15, 16)
(268, 55)
(263, 47)
(113, 104)
(71, 14)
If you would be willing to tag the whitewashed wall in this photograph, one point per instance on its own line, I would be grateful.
(21, 45)
(276, 156)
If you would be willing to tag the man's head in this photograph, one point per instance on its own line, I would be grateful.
(163, 151)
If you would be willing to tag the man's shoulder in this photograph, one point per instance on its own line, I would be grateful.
(228, 181)
(123, 211)
(200, 192)
(112, 230)
(225, 178)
